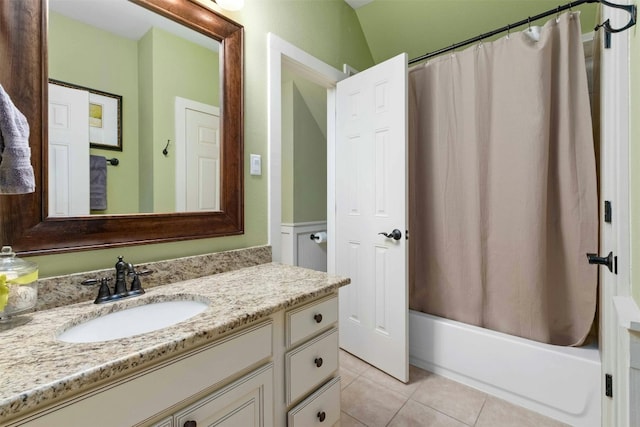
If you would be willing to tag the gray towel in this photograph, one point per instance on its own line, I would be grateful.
(97, 183)
(16, 172)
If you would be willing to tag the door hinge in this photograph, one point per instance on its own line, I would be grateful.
(608, 385)
(607, 211)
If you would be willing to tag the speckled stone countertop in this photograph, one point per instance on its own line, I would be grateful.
(37, 369)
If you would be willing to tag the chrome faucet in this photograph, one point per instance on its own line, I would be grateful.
(123, 270)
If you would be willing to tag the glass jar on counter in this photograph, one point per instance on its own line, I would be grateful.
(18, 288)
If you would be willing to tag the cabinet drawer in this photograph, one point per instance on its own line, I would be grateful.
(323, 405)
(309, 365)
(304, 322)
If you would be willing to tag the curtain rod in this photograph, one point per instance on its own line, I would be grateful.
(631, 9)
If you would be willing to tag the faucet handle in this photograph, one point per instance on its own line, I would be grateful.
(136, 286)
(104, 293)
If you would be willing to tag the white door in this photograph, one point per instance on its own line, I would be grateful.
(68, 151)
(197, 156)
(371, 198)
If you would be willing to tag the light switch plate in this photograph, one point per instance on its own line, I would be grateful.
(256, 164)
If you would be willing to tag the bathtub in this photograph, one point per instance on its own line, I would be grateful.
(563, 383)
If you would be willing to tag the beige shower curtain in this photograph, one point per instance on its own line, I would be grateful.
(503, 202)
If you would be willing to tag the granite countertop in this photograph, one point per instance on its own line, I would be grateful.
(38, 370)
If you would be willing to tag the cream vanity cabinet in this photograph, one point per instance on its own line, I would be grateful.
(312, 387)
(279, 370)
(204, 375)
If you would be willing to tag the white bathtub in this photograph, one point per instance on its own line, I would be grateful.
(560, 382)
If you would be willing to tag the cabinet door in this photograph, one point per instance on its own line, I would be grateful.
(247, 402)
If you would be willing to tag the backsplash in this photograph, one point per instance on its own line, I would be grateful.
(64, 290)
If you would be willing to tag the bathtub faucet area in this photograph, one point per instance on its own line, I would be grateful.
(120, 291)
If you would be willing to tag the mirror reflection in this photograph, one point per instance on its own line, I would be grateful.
(130, 85)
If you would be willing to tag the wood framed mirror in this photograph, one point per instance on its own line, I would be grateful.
(24, 220)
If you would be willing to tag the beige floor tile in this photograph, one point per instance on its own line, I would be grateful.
(451, 398)
(498, 413)
(347, 420)
(371, 403)
(346, 377)
(352, 363)
(416, 375)
(414, 414)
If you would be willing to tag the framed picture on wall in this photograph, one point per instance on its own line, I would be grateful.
(105, 117)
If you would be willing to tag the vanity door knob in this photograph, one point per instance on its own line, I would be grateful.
(190, 424)
(318, 361)
(321, 416)
(318, 318)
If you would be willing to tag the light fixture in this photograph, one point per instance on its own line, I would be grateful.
(230, 4)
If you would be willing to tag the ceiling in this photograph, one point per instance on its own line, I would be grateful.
(357, 3)
(420, 26)
(125, 19)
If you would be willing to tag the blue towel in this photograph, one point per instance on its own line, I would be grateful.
(16, 172)
(97, 183)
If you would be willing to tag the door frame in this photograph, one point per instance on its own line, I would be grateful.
(280, 53)
(618, 309)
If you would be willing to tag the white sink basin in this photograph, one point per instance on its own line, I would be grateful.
(133, 321)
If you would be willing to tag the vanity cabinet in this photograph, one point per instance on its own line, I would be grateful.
(141, 398)
(282, 369)
(312, 386)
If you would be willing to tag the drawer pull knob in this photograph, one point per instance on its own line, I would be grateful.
(318, 361)
(322, 416)
(318, 318)
(190, 424)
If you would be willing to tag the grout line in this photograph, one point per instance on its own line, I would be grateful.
(397, 412)
(480, 411)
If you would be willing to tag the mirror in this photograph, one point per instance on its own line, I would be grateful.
(25, 222)
(152, 121)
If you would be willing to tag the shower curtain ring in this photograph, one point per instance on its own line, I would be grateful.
(529, 22)
(508, 31)
(558, 14)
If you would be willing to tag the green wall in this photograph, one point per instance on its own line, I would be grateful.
(441, 23)
(309, 164)
(92, 58)
(304, 155)
(327, 29)
(179, 68)
(634, 159)
(286, 147)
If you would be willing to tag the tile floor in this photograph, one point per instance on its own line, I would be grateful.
(371, 398)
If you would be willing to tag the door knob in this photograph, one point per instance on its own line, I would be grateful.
(607, 261)
(395, 234)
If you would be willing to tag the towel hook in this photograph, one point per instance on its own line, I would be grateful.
(165, 151)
